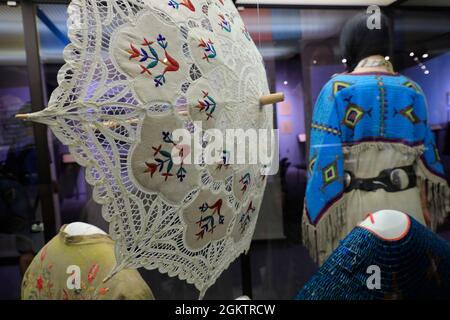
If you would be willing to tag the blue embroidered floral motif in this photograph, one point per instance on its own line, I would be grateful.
(207, 105)
(163, 160)
(186, 3)
(245, 218)
(206, 221)
(150, 54)
(224, 23)
(209, 51)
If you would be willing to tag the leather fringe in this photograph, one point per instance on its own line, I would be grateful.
(324, 237)
(365, 146)
(438, 194)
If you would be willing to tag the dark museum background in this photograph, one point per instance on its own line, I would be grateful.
(300, 48)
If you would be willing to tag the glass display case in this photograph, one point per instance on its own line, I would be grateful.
(299, 44)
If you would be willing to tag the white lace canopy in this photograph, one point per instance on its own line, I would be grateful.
(135, 71)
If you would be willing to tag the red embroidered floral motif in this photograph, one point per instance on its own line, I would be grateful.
(172, 65)
(245, 217)
(134, 52)
(206, 222)
(188, 4)
(103, 291)
(43, 253)
(223, 162)
(92, 274)
(224, 23)
(207, 105)
(44, 287)
(245, 182)
(145, 70)
(152, 58)
(185, 3)
(40, 283)
(163, 159)
(166, 175)
(209, 51)
(65, 295)
(151, 168)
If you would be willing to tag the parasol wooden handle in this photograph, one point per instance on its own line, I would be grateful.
(271, 98)
(22, 116)
(263, 101)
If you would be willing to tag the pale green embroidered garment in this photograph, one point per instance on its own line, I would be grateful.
(54, 273)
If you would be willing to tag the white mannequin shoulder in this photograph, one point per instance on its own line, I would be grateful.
(82, 229)
(389, 225)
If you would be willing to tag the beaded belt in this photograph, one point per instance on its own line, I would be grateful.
(391, 180)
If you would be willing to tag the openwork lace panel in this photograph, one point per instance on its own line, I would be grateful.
(135, 71)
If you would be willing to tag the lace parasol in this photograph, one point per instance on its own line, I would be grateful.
(135, 71)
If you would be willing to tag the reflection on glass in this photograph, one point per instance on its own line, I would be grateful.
(20, 234)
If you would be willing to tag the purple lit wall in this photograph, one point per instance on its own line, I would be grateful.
(320, 76)
(436, 86)
(290, 113)
(289, 81)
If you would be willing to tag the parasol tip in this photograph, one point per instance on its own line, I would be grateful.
(22, 116)
(271, 98)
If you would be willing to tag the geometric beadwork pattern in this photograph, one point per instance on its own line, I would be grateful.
(311, 164)
(353, 115)
(339, 85)
(325, 128)
(411, 85)
(414, 267)
(408, 113)
(329, 173)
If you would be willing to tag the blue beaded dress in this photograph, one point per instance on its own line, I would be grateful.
(366, 123)
(415, 267)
